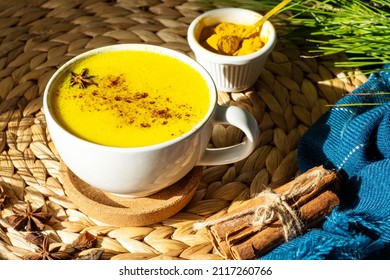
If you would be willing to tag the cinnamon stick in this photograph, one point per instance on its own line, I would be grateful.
(230, 226)
(263, 241)
(311, 195)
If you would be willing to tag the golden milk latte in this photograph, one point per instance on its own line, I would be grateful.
(130, 98)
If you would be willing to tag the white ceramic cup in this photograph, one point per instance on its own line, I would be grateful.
(231, 73)
(142, 171)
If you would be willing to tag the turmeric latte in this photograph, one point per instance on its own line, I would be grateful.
(230, 39)
(130, 98)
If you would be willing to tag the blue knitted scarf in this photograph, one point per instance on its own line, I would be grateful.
(354, 140)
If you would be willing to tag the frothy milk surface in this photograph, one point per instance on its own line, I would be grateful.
(130, 98)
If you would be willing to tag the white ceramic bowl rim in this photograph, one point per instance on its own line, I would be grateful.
(143, 47)
(226, 58)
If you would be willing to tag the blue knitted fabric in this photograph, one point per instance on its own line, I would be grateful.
(354, 140)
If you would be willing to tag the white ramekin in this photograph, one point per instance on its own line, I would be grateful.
(231, 73)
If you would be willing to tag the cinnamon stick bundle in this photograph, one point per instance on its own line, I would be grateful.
(274, 216)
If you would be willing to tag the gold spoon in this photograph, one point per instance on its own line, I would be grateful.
(230, 44)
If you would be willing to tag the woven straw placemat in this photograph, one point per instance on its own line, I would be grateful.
(38, 36)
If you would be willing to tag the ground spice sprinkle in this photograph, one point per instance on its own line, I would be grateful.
(112, 94)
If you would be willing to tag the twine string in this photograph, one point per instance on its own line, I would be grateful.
(275, 206)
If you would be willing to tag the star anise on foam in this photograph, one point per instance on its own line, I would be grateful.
(28, 220)
(44, 252)
(82, 79)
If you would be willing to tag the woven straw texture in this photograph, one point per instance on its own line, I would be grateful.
(38, 36)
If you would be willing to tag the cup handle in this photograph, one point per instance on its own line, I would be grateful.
(241, 119)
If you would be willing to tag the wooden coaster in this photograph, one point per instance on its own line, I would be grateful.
(122, 211)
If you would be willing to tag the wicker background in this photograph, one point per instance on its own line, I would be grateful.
(38, 36)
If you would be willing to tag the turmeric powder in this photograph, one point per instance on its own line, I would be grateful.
(228, 39)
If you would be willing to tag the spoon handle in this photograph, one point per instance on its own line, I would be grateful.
(269, 14)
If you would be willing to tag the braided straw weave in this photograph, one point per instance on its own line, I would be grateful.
(38, 36)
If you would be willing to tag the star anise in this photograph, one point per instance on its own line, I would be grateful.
(82, 79)
(44, 252)
(28, 220)
(3, 198)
